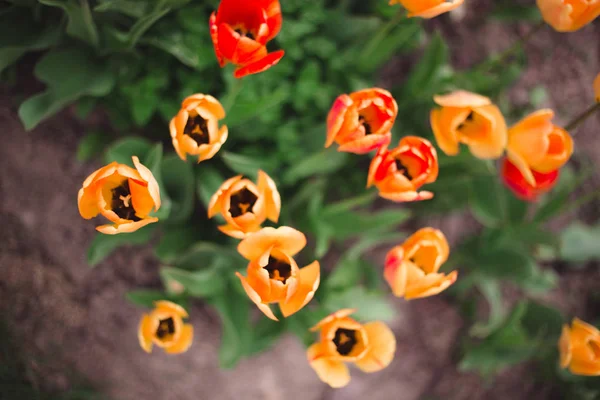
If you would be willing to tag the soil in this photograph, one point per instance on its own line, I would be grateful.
(72, 322)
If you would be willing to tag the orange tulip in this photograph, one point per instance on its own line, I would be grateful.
(164, 327)
(124, 195)
(579, 348)
(244, 205)
(516, 182)
(411, 269)
(471, 119)
(240, 31)
(195, 129)
(597, 88)
(400, 172)
(569, 15)
(361, 122)
(427, 8)
(535, 144)
(273, 275)
(369, 346)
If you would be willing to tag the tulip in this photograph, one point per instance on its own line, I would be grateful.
(240, 31)
(569, 15)
(597, 88)
(471, 119)
(245, 205)
(272, 274)
(520, 186)
(342, 340)
(427, 8)
(399, 173)
(164, 327)
(535, 144)
(411, 269)
(361, 122)
(579, 348)
(195, 129)
(125, 196)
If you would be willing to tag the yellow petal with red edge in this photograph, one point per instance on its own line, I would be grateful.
(336, 116)
(140, 198)
(287, 240)
(333, 373)
(522, 165)
(146, 175)
(310, 277)
(255, 297)
(430, 285)
(382, 347)
(125, 228)
(564, 346)
(146, 331)
(461, 98)
(184, 342)
(267, 187)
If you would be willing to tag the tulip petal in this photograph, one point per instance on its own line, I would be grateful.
(260, 65)
(146, 175)
(597, 88)
(335, 373)
(381, 349)
(184, 341)
(268, 190)
(309, 277)
(444, 136)
(430, 285)
(461, 99)
(255, 297)
(234, 231)
(402, 197)
(206, 102)
(140, 198)
(564, 346)
(214, 205)
(146, 331)
(287, 240)
(335, 118)
(125, 228)
(170, 308)
(344, 312)
(366, 143)
(585, 367)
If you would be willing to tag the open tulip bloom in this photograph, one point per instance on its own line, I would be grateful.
(569, 15)
(468, 118)
(273, 275)
(125, 196)
(579, 347)
(240, 30)
(245, 205)
(427, 8)
(521, 186)
(164, 327)
(371, 347)
(361, 121)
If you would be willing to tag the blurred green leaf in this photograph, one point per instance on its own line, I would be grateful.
(243, 110)
(91, 145)
(247, 166)
(424, 77)
(580, 243)
(103, 245)
(205, 282)
(146, 298)
(487, 201)
(369, 305)
(174, 241)
(178, 182)
(404, 34)
(81, 23)
(120, 40)
(68, 74)
(122, 150)
(132, 8)
(208, 181)
(509, 12)
(506, 263)
(324, 162)
(492, 292)
(556, 201)
(204, 254)
(265, 334)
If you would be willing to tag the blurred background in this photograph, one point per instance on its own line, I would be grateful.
(67, 330)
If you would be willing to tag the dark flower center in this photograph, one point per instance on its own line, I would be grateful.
(278, 270)
(243, 32)
(242, 202)
(403, 170)
(344, 340)
(363, 122)
(197, 128)
(121, 202)
(165, 327)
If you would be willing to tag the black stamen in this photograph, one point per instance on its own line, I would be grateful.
(197, 128)
(362, 121)
(403, 170)
(278, 269)
(242, 202)
(165, 327)
(344, 340)
(121, 202)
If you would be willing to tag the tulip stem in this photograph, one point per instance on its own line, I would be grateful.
(233, 94)
(499, 61)
(582, 117)
(383, 31)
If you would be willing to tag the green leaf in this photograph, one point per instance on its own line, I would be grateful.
(132, 8)
(178, 182)
(206, 282)
(174, 241)
(506, 263)
(91, 145)
(487, 201)
(344, 225)
(516, 13)
(265, 334)
(404, 34)
(203, 254)
(370, 305)
(127, 40)
(103, 245)
(81, 24)
(146, 298)
(245, 165)
(243, 110)
(208, 181)
(580, 243)
(186, 48)
(69, 75)
(556, 201)
(122, 150)
(542, 322)
(424, 77)
(324, 162)
(492, 292)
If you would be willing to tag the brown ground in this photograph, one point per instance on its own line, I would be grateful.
(69, 318)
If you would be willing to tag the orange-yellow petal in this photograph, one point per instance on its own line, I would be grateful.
(288, 240)
(146, 331)
(441, 121)
(140, 198)
(125, 228)
(442, 7)
(334, 373)
(430, 285)
(170, 307)
(183, 343)
(339, 314)
(272, 199)
(214, 205)
(256, 298)
(310, 277)
(382, 347)
(146, 175)
(564, 346)
(461, 99)
(597, 88)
